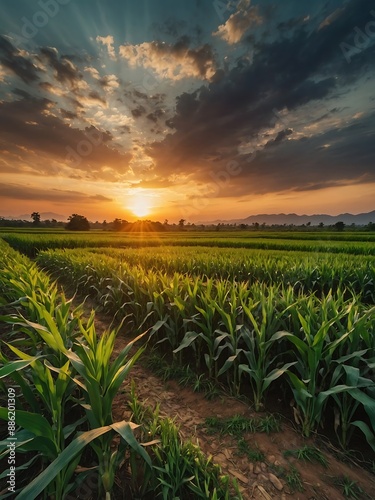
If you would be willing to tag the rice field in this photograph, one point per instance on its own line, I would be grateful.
(276, 313)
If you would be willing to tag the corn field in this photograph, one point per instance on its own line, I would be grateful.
(65, 380)
(299, 323)
(293, 317)
(348, 243)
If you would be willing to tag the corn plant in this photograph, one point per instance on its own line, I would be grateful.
(51, 396)
(314, 353)
(52, 378)
(349, 400)
(100, 381)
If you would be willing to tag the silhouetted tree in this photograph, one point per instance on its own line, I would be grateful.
(77, 223)
(36, 218)
(340, 225)
(119, 224)
(181, 223)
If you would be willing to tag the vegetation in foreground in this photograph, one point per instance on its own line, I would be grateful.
(301, 324)
(66, 381)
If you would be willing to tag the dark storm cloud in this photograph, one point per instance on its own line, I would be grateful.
(337, 157)
(124, 129)
(77, 104)
(12, 59)
(138, 112)
(70, 115)
(155, 115)
(93, 94)
(64, 69)
(288, 72)
(140, 95)
(280, 137)
(18, 192)
(290, 24)
(28, 123)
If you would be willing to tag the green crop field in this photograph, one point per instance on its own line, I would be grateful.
(260, 313)
(357, 243)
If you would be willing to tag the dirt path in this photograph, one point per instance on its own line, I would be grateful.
(257, 480)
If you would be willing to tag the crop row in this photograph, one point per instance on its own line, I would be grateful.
(30, 244)
(255, 337)
(62, 380)
(307, 271)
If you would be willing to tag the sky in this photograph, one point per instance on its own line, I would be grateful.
(199, 109)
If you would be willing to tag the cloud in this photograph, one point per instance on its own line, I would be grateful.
(138, 112)
(340, 156)
(30, 193)
(2, 73)
(174, 61)
(233, 30)
(155, 115)
(109, 82)
(211, 124)
(14, 59)
(64, 69)
(93, 98)
(93, 72)
(108, 42)
(27, 123)
(280, 137)
(331, 17)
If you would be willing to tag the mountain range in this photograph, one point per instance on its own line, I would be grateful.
(314, 220)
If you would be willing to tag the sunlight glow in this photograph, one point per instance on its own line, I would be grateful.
(140, 204)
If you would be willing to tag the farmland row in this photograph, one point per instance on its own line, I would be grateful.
(31, 244)
(317, 351)
(64, 381)
(306, 271)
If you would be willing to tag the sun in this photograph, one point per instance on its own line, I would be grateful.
(140, 205)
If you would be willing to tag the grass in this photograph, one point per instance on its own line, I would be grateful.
(238, 424)
(308, 454)
(244, 449)
(294, 480)
(350, 488)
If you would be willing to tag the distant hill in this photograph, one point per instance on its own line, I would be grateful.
(43, 216)
(314, 220)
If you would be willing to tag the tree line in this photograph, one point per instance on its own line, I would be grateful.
(77, 222)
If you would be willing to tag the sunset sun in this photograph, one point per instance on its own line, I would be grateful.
(140, 204)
